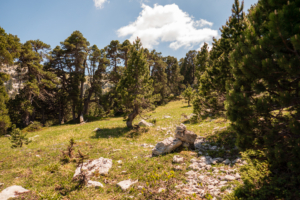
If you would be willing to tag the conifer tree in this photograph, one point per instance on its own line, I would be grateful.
(174, 77)
(9, 50)
(36, 79)
(136, 87)
(263, 104)
(214, 70)
(188, 94)
(18, 139)
(188, 68)
(76, 48)
(157, 68)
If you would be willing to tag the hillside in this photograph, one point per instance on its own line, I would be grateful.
(37, 167)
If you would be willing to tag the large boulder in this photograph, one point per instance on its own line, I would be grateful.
(166, 146)
(184, 135)
(144, 123)
(12, 191)
(101, 165)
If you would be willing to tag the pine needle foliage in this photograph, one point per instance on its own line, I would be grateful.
(263, 103)
(136, 86)
(18, 139)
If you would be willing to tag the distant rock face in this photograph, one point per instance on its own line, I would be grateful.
(166, 146)
(184, 135)
(144, 123)
(102, 165)
(124, 185)
(12, 192)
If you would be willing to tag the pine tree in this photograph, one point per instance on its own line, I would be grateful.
(76, 48)
(188, 94)
(188, 68)
(173, 75)
(18, 139)
(136, 87)
(157, 68)
(214, 70)
(9, 50)
(263, 104)
(35, 79)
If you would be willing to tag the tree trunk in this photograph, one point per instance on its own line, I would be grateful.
(131, 117)
(73, 111)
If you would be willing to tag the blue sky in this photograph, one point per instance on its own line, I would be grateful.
(170, 26)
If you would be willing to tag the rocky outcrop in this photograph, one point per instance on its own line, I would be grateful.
(166, 146)
(185, 136)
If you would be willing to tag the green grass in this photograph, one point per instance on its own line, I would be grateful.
(37, 166)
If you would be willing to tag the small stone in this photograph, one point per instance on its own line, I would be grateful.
(167, 117)
(163, 129)
(119, 161)
(123, 172)
(140, 187)
(1, 184)
(144, 123)
(38, 156)
(177, 159)
(7, 135)
(117, 149)
(178, 168)
(96, 129)
(229, 178)
(94, 184)
(161, 190)
(226, 162)
(237, 176)
(124, 185)
(213, 148)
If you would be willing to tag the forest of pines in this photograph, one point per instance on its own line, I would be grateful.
(251, 76)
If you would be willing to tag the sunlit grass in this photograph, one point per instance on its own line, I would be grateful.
(29, 166)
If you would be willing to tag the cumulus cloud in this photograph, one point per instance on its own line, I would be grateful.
(99, 3)
(168, 24)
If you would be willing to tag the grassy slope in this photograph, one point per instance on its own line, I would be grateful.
(30, 166)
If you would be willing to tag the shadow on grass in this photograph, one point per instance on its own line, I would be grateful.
(185, 106)
(118, 132)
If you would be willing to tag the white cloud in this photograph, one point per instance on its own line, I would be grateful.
(99, 3)
(168, 24)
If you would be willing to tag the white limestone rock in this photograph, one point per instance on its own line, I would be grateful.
(96, 129)
(177, 159)
(166, 146)
(144, 123)
(229, 178)
(124, 185)
(12, 191)
(94, 184)
(102, 165)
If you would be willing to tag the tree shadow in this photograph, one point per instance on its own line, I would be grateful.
(118, 132)
(185, 106)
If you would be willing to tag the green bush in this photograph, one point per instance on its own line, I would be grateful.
(34, 126)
